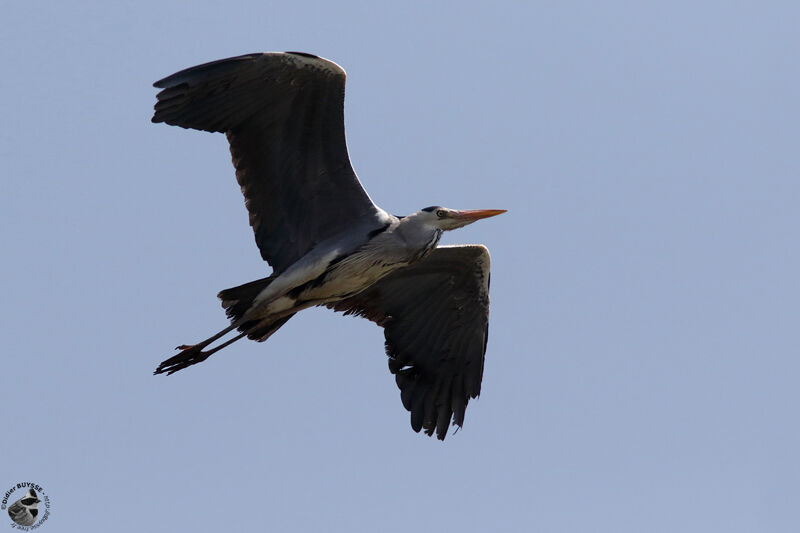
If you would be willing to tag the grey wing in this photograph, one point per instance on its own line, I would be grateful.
(20, 514)
(435, 315)
(283, 114)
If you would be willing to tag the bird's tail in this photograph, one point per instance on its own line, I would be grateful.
(238, 300)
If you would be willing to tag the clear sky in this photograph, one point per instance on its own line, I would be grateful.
(642, 368)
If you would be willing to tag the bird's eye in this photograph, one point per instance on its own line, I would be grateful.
(440, 213)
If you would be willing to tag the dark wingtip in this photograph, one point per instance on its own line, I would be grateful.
(303, 54)
(189, 73)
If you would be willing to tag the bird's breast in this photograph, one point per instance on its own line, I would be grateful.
(354, 273)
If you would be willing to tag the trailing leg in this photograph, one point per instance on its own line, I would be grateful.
(193, 354)
(259, 330)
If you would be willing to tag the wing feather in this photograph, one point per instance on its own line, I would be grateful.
(283, 115)
(435, 315)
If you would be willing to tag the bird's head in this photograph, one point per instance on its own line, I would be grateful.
(31, 499)
(447, 219)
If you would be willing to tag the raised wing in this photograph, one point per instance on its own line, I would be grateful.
(283, 114)
(435, 315)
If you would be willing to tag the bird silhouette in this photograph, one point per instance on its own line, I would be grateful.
(25, 510)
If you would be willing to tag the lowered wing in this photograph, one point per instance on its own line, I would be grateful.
(435, 315)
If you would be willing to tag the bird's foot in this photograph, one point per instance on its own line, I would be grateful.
(190, 355)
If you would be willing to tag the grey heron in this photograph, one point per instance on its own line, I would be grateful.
(327, 242)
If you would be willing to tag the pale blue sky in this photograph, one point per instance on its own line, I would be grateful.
(642, 369)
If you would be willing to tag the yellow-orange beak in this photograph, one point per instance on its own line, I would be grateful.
(472, 215)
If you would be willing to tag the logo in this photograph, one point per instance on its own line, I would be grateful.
(23, 502)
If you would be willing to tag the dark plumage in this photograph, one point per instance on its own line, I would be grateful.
(283, 114)
(436, 328)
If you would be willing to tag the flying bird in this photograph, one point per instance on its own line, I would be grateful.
(327, 242)
(25, 510)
